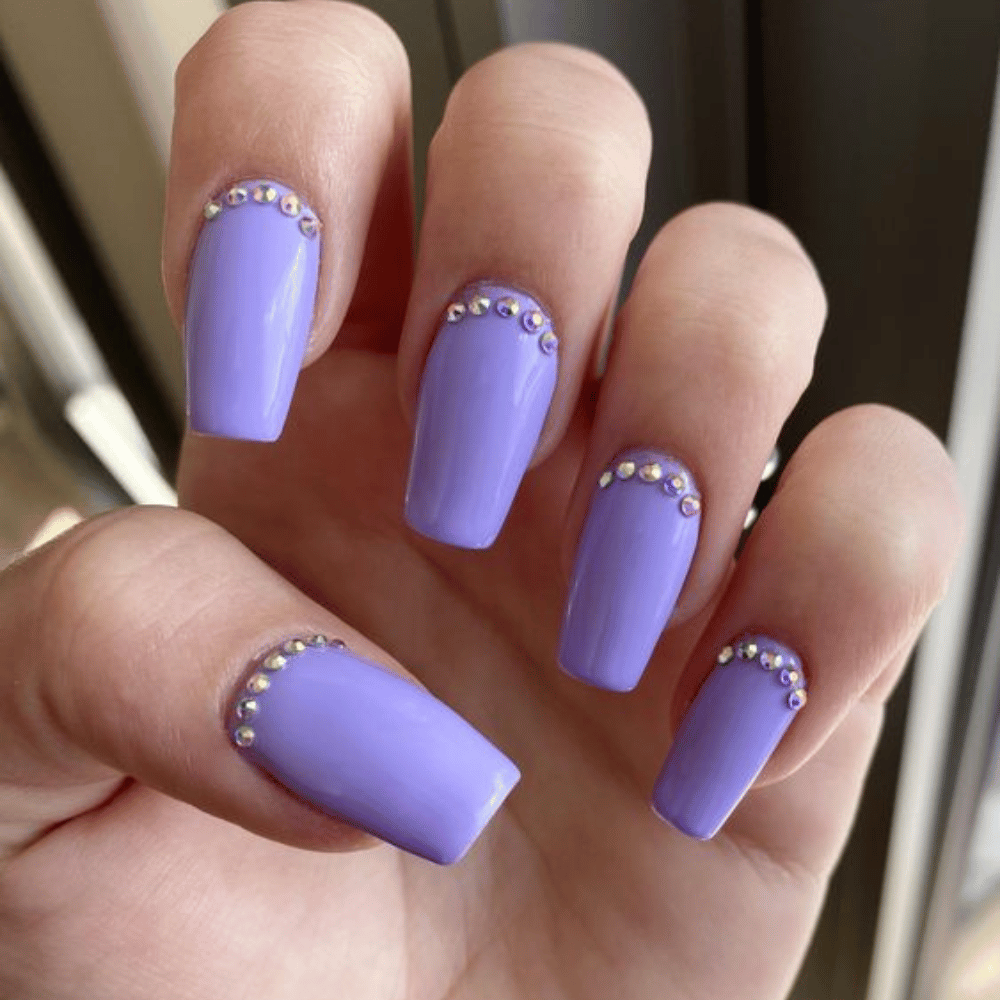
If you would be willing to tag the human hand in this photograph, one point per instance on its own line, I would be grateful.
(146, 856)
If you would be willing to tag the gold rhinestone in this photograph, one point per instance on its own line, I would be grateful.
(244, 736)
(532, 321)
(236, 195)
(246, 707)
(455, 312)
(770, 661)
(309, 226)
(798, 698)
(651, 473)
(480, 304)
(291, 204)
(265, 194)
(747, 650)
(508, 306)
(258, 683)
(725, 654)
(274, 662)
(607, 478)
(212, 210)
(626, 469)
(690, 506)
(793, 676)
(293, 646)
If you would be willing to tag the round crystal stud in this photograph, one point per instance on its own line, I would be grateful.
(274, 662)
(532, 321)
(725, 655)
(264, 194)
(770, 661)
(317, 640)
(626, 469)
(797, 699)
(293, 646)
(508, 306)
(246, 708)
(793, 676)
(607, 478)
(690, 506)
(236, 196)
(455, 312)
(291, 204)
(212, 210)
(674, 485)
(479, 305)
(258, 683)
(309, 226)
(548, 342)
(338, 644)
(244, 736)
(651, 473)
(746, 650)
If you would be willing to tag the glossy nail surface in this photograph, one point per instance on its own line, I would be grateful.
(729, 732)
(251, 296)
(631, 562)
(367, 746)
(484, 395)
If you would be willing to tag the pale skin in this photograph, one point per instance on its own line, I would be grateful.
(144, 858)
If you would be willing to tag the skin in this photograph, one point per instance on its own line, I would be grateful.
(143, 857)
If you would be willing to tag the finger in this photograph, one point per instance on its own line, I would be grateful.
(712, 350)
(292, 128)
(836, 580)
(152, 644)
(535, 188)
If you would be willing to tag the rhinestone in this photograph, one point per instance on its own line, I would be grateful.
(309, 226)
(532, 321)
(626, 469)
(548, 342)
(338, 644)
(674, 485)
(245, 708)
(690, 506)
(274, 662)
(265, 194)
(293, 646)
(508, 306)
(770, 661)
(651, 473)
(725, 655)
(317, 640)
(258, 683)
(244, 736)
(236, 196)
(291, 204)
(211, 210)
(788, 677)
(793, 676)
(747, 650)
(480, 304)
(797, 699)
(455, 312)
(607, 478)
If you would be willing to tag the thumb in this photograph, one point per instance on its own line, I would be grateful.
(151, 644)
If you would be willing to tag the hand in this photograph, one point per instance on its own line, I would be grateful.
(147, 856)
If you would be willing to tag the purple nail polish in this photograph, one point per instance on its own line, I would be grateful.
(364, 745)
(631, 562)
(484, 395)
(729, 732)
(250, 304)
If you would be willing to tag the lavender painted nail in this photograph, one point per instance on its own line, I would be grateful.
(729, 732)
(484, 395)
(631, 562)
(251, 296)
(365, 745)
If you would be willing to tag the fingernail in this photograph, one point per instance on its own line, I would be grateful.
(251, 296)
(729, 732)
(485, 392)
(367, 746)
(631, 561)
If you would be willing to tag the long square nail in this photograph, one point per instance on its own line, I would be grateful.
(631, 562)
(364, 745)
(728, 734)
(484, 396)
(251, 296)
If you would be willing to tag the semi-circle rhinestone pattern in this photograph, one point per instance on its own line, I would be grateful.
(665, 474)
(252, 699)
(477, 302)
(290, 204)
(785, 668)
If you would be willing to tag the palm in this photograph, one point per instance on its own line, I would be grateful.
(576, 890)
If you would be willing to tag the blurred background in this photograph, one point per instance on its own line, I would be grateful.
(870, 128)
